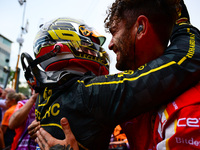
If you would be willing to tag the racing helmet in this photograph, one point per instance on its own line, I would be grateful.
(80, 45)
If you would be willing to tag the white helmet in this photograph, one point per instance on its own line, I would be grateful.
(79, 45)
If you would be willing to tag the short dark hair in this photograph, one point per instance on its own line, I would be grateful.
(161, 13)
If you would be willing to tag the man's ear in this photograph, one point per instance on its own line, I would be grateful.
(142, 23)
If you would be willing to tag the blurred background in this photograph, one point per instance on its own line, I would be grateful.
(29, 14)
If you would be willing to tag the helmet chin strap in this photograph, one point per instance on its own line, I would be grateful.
(39, 79)
(52, 53)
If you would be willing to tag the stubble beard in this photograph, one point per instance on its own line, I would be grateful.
(125, 48)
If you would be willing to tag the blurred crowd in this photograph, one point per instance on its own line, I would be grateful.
(17, 111)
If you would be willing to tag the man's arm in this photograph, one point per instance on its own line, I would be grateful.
(20, 115)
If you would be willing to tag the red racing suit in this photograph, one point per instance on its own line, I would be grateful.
(177, 125)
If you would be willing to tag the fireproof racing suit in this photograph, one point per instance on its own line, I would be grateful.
(95, 105)
(177, 124)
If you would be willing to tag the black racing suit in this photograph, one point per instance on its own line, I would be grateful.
(95, 105)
